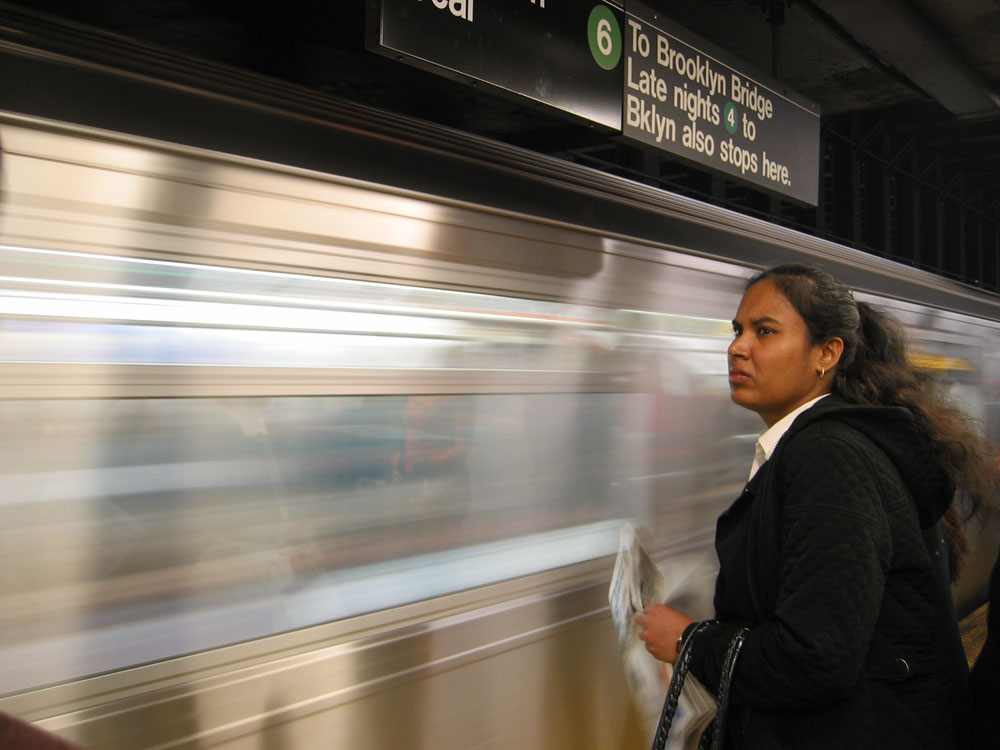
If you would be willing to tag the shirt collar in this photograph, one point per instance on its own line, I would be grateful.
(768, 439)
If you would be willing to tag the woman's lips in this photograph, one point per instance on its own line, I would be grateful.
(737, 376)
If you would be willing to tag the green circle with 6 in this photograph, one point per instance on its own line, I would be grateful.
(605, 37)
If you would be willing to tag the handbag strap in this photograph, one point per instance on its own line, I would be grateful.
(715, 732)
(674, 689)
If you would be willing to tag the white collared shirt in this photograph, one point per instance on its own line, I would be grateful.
(769, 438)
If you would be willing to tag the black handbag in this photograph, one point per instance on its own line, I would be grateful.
(712, 737)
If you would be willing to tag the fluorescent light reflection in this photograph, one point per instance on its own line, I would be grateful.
(72, 308)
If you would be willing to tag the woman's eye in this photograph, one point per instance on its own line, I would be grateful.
(764, 331)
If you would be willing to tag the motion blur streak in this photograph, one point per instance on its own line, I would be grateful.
(215, 519)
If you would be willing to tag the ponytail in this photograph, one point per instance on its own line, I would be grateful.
(874, 369)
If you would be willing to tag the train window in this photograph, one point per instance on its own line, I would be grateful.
(140, 529)
(147, 527)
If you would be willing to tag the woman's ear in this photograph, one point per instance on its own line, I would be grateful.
(830, 352)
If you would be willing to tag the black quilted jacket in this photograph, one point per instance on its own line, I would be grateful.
(833, 558)
(985, 679)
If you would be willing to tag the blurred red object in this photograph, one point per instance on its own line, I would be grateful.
(16, 734)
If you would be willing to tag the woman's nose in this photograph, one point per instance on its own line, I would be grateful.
(737, 348)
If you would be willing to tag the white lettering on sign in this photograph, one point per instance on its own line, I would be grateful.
(774, 171)
(647, 82)
(458, 8)
(698, 140)
(748, 95)
(696, 69)
(738, 156)
(640, 42)
(639, 115)
(696, 104)
(692, 103)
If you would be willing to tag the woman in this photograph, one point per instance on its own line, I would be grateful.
(834, 556)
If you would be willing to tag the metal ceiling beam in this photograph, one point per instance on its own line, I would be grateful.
(904, 41)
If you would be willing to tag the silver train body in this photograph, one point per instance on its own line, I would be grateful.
(325, 440)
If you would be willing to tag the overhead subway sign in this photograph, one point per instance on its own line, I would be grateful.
(622, 66)
(683, 96)
(564, 55)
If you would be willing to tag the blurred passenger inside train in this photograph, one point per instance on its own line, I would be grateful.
(837, 556)
(438, 432)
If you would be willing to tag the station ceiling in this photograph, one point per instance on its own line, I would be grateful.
(926, 69)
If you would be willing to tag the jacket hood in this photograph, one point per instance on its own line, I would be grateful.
(894, 430)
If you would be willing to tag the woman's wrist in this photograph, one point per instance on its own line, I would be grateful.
(682, 638)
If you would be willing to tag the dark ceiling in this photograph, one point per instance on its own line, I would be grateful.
(920, 78)
(846, 55)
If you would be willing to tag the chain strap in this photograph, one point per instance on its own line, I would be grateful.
(674, 689)
(712, 738)
(715, 732)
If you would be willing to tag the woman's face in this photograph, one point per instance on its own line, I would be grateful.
(773, 366)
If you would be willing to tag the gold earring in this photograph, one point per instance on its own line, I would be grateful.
(822, 372)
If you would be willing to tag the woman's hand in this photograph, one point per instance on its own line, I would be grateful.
(660, 626)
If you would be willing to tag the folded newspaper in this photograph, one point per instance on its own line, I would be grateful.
(635, 582)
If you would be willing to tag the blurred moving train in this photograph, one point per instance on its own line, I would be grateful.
(320, 423)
